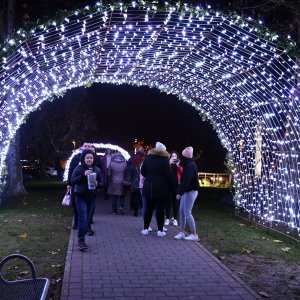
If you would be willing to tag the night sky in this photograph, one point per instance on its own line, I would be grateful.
(124, 112)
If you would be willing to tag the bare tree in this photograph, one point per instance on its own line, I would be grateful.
(50, 130)
(14, 178)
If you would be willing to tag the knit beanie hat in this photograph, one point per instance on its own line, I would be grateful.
(160, 146)
(188, 152)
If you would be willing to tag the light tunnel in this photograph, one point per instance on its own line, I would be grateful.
(97, 146)
(245, 84)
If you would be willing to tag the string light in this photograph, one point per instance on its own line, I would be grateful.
(97, 146)
(246, 85)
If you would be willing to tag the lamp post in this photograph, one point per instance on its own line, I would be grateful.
(74, 144)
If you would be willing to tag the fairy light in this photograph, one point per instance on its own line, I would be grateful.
(97, 146)
(221, 65)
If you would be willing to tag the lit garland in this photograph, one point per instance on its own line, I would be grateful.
(246, 86)
(97, 146)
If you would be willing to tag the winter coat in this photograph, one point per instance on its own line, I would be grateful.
(116, 175)
(79, 180)
(158, 177)
(133, 177)
(104, 167)
(176, 175)
(73, 164)
(189, 178)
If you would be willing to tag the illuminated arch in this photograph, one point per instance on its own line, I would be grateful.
(98, 146)
(242, 82)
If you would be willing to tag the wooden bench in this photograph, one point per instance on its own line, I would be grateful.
(24, 289)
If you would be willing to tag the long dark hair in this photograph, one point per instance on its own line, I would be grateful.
(174, 151)
(83, 155)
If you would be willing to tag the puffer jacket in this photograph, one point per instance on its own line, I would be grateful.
(189, 178)
(158, 177)
(133, 177)
(116, 174)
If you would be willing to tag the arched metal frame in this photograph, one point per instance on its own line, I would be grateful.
(97, 146)
(245, 85)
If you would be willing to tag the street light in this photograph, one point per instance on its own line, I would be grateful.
(74, 144)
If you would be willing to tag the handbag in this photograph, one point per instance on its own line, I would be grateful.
(67, 198)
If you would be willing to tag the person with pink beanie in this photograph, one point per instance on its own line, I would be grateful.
(187, 193)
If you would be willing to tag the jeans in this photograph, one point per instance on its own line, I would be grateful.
(85, 207)
(185, 211)
(115, 201)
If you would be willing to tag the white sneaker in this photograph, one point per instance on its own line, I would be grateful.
(144, 232)
(150, 229)
(161, 233)
(167, 222)
(179, 236)
(165, 229)
(175, 223)
(192, 237)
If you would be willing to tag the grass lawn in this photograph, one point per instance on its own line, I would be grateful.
(224, 233)
(38, 226)
(265, 260)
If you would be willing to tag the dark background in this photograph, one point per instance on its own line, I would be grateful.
(122, 113)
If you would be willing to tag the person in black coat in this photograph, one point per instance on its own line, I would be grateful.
(73, 164)
(187, 193)
(85, 194)
(157, 185)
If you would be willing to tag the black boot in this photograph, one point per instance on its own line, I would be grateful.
(81, 244)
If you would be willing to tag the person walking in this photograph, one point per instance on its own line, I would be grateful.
(133, 179)
(73, 164)
(157, 185)
(172, 202)
(116, 175)
(139, 151)
(187, 194)
(99, 165)
(105, 162)
(85, 193)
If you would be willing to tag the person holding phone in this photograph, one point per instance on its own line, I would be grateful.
(172, 203)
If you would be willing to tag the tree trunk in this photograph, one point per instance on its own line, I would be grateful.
(297, 18)
(2, 19)
(14, 186)
(11, 5)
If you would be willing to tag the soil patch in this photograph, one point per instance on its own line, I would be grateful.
(273, 279)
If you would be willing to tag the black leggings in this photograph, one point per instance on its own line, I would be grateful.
(172, 203)
(75, 211)
(157, 204)
(136, 199)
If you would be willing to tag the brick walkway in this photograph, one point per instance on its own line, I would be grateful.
(123, 264)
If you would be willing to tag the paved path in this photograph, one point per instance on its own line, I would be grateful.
(123, 264)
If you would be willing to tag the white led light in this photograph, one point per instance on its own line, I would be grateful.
(244, 84)
(97, 146)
